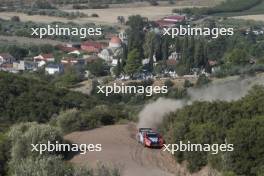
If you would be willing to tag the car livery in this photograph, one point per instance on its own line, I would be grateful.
(149, 138)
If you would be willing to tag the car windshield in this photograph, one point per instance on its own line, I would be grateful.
(152, 135)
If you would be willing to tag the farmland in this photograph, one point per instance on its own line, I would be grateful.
(251, 17)
(109, 15)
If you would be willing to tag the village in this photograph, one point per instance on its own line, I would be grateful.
(84, 53)
(80, 54)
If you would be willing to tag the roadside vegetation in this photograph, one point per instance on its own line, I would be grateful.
(35, 107)
(237, 123)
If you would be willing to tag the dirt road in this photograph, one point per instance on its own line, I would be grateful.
(119, 148)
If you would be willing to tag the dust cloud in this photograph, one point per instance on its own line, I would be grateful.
(225, 90)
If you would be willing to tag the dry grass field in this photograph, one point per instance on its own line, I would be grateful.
(251, 17)
(109, 16)
(25, 40)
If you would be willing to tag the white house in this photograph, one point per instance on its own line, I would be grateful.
(44, 57)
(76, 52)
(52, 69)
(6, 58)
(25, 65)
(113, 51)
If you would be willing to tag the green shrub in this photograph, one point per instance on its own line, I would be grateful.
(168, 83)
(41, 166)
(202, 80)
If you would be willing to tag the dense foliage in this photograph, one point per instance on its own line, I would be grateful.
(239, 123)
(24, 162)
(24, 99)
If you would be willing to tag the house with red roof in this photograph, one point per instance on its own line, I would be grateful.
(92, 47)
(170, 21)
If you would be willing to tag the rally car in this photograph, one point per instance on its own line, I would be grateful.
(149, 138)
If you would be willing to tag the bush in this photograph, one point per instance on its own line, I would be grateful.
(168, 83)
(41, 166)
(15, 19)
(25, 134)
(202, 80)
(95, 15)
(74, 120)
(238, 123)
(4, 154)
(153, 2)
(187, 84)
(69, 121)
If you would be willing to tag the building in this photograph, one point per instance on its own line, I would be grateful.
(44, 57)
(123, 36)
(6, 58)
(115, 42)
(7, 68)
(67, 49)
(69, 61)
(113, 51)
(175, 56)
(52, 69)
(25, 65)
(92, 47)
(170, 21)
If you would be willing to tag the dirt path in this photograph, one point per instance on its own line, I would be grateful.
(121, 149)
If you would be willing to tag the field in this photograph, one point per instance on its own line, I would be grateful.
(106, 16)
(109, 16)
(251, 17)
(25, 40)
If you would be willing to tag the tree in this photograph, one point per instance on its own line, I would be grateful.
(42, 4)
(152, 47)
(4, 153)
(135, 33)
(202, 80)
(25, 134)
(248, 139)
(149, 44)
(118, 68)
(133, 63)
(15, 19)
(41, 166)
(69, 78)
(199, 55)
(121, 20)
(17, 52)
(97, 68)
(165, 48)
(238, 57)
